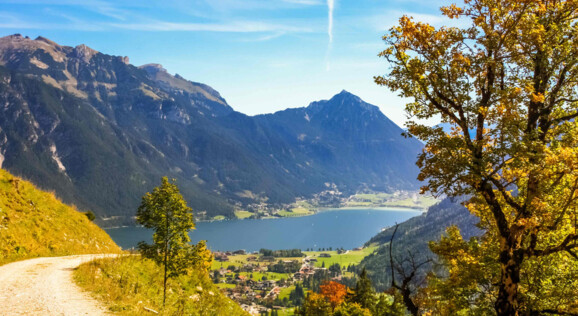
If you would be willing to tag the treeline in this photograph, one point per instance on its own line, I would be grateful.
(284, 267)
(336, 299)
(413, 237)
(290, 253)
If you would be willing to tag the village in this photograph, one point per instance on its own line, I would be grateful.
(267, 280)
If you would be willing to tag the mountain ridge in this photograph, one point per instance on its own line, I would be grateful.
(101, 132)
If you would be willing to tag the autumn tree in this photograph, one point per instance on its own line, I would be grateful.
(506, 85)
(352, 309)
(314, 305)
(333, 292)
(165, 211)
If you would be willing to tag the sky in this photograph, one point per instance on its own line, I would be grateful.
(261, 55)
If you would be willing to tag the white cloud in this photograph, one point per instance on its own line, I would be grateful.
(305, 2)
(265, 37)
(233, 27)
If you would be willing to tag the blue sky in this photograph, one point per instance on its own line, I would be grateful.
(261, 55)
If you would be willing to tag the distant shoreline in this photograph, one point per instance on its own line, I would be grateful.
(345, 208)
(401, 208)
(377, 208)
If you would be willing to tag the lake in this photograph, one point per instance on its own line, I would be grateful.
(332, 228)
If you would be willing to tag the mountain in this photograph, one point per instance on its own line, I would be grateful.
(34, 223)
(413, 236)
(101, 132)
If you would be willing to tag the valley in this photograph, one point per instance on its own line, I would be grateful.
(99, 131)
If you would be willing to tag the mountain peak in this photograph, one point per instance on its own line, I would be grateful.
(45, 40)
(342, 100)
(344, 96)
(84, 52)
(152, 68)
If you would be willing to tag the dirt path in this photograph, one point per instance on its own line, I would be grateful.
(44, 286)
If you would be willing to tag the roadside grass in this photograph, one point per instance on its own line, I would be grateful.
(344, 259)
(34, 223)
(130, 285)
(243, 214)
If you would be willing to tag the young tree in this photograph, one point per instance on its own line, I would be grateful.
(165, 211)
(507, 87)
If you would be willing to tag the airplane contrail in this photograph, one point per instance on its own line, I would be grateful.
(330, 6)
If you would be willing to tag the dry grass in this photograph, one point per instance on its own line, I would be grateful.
(34, 223)
(128, 285)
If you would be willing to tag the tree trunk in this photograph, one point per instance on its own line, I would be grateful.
(406, 294)
(166, 259)
(507, 301)
(165, 283)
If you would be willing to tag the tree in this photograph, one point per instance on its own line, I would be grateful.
(333, 292)
(314, 305)
(165, 211)
(506, 85)
(351, 309)
(408, 270)
(363, 294)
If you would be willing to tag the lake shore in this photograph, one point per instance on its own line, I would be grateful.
(336, 209)
(377, 208)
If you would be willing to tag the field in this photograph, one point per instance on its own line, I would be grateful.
(243, 214)
(240, 260)
(344, 259)
(403, 199)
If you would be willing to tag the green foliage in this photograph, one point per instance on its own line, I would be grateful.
(90, 215)
(336, 299)
(414, 236)
(291, 253)
(351, 309)
(34, 223)
(315, 305)
(127, 285)
(165, 211)
(284, 267)
(363, 294)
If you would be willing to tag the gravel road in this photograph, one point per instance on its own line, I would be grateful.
(44, 286)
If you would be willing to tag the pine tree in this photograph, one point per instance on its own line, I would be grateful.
(363, 294)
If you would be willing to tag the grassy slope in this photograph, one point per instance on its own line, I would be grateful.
(34, 223)
(128, 285)
(344, 259)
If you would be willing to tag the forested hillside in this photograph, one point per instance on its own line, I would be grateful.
(413, 236)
